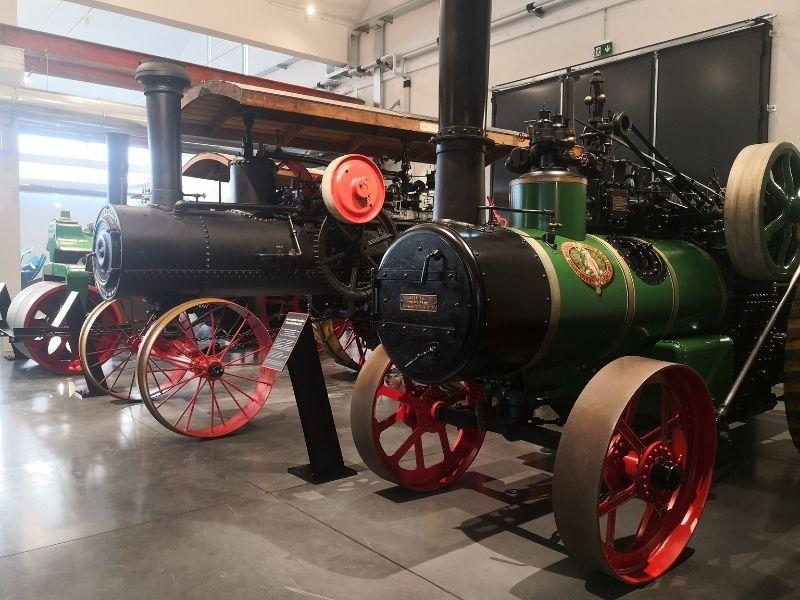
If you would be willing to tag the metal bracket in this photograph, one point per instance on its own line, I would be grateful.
(771, 108)
(5, 302)
(536, 10)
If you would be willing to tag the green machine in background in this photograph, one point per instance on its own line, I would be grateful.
(68, 243)
(41, 319)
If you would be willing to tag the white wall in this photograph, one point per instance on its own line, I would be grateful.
(568, 33)
(271, 25)
(11, 72)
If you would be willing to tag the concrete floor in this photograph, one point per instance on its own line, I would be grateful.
(98, 501)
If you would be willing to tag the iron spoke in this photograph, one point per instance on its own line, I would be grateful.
(181, 383)
(405, 446)
(232, 398)
(610, 526)
(629, 436)
(612, 503)
(381, 426)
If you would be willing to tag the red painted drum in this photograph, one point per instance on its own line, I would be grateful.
(353, 189)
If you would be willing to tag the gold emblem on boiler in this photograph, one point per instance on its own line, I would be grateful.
(588, 263)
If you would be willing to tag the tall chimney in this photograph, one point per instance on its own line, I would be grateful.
(464, 28)
(117, 147)
(164, 84)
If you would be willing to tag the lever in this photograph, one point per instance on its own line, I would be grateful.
(435, 254)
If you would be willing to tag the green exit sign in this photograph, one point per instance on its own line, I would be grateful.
(604, 49)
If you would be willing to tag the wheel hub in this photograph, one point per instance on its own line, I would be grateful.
(216, 370)
(654, 472)
(666, 475)
(134, 342)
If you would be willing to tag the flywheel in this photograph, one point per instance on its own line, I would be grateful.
(347, 253)
(762, 211)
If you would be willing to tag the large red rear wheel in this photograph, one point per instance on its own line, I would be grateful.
(200, 369)
(634, 467)
(396, 432)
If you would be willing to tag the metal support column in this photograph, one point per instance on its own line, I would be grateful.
(11, 73)
(377, 74)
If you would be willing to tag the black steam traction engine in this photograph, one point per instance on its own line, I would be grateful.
(191, 278)
(627, 315)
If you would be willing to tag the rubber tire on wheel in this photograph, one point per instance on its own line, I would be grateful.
(593, 445)
(746, 210)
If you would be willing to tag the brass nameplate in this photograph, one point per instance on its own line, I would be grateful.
(418, 302)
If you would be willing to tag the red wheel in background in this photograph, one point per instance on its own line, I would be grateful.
(339, 338)
(216, 348)
(634, 467)
(109, 344)
(397, 434)
(37, 306)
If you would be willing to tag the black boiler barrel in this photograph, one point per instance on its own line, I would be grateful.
(152, 252)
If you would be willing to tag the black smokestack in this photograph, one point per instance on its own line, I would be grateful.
(464, 29)
(164, 84)
(117, 147)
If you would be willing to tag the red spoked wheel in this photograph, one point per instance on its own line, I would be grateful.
(396, 433)
(109, 344)
(37, 307)
(634, 467)
(340, 339)
(215, 348)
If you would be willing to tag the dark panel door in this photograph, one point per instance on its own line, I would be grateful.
(712, 98)
(510, 111)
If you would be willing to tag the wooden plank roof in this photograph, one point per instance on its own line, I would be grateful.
(214, 110)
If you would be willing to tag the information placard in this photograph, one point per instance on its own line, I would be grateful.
(285, 341)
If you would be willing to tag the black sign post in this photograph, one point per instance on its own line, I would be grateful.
(295, 346)
(5, 330)
(72, 314)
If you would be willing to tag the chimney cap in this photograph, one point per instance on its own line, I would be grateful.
(165, 76)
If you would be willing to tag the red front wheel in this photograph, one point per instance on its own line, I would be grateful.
(634, 467)
(200, 369)
(397, 434)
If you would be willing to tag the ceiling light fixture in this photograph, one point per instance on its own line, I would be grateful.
(310, 10)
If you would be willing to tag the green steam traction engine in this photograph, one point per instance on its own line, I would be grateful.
(626, 314)
(36, 320)
(32, 316)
